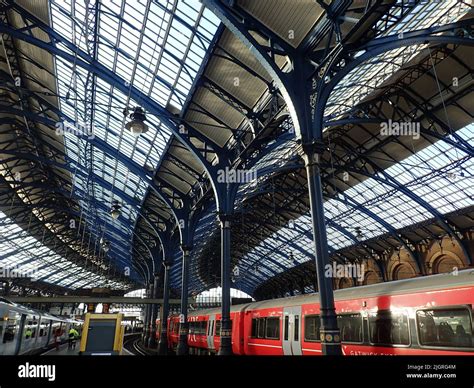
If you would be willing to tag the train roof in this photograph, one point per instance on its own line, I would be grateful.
(36, 313)
(234, 308)
(399, 287)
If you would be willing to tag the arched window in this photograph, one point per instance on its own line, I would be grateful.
(371, 278)
(403, 271)
(445, 264)
(345, 283)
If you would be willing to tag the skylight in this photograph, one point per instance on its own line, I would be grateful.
(156, 46)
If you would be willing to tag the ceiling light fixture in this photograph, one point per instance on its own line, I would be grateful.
(115, 211)
(137, 124)
(106, 246)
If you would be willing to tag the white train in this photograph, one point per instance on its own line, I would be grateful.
(26, 331)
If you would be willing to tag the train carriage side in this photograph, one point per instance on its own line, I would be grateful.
(262, 334)
(429, 315)
(423, 316)
(10, 328)
(208, 339)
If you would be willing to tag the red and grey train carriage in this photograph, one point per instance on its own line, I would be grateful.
(428, 315)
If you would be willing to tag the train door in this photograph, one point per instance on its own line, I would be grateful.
(210, 332)
(19, 341)
(292, 331)
(50, 333)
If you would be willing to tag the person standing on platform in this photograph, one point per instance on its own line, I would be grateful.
(73, 335)
(57, 340)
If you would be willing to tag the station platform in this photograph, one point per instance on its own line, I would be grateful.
(63, 350)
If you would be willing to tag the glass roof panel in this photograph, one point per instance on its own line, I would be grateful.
(156, 46)
(35, 260)
(437, 179)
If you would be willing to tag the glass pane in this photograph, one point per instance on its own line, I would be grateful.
(350, 326)
(445, 327)
(389, 328)
(312, 325)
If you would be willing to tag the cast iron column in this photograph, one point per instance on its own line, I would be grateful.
(146, 317)
(226, 328)
(163, 344)
(183, 325)
(152, 340)
(329, 333)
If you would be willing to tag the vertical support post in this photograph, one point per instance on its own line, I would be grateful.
(152, 340)
(163, 344)
(226, 324)
(329, 333)
(150, 315)
(147, 316)
(183, 348)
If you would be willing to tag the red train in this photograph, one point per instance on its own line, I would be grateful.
(428, 315)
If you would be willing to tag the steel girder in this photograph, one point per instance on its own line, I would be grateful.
(381, 176)
(344, 61)
(83, 60)
(11, 211)
(31, 40)
(69, 196)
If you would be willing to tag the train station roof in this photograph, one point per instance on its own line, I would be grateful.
(69, 158)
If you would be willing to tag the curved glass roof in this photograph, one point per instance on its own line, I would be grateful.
(22, 255)
(440, 175)
(158, 47)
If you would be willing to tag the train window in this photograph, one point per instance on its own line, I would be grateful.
(254, 327)
(218, 327)
(350, 326)
(11, 327)
(312, 325)
(297, 328)
(445, 327)
(28, 333)
(10, 333)
(272, 330)
(389, 328)
(287, 326)
(261, 328)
